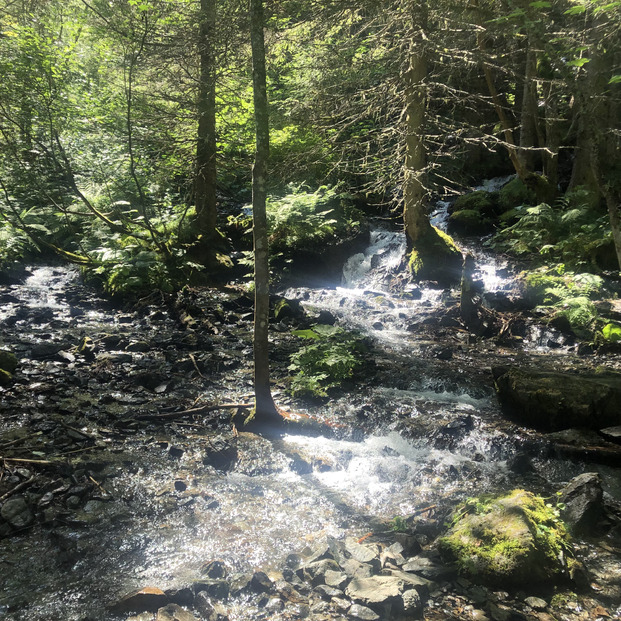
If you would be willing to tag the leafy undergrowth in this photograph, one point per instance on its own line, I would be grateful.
(572, 232)
(570, 299)
(333, 356)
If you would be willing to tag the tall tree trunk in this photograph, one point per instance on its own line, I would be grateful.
(205, 182)
(528, 117)
(414, 191)
(264, 404)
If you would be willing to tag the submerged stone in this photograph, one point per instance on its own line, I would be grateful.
(148, 599)
(174, 612)
(507, 540)
(16, 511)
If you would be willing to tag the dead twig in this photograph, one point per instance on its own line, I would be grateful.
(14, 442)
(203, 409)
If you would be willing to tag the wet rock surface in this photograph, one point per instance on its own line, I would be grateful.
(118, 476)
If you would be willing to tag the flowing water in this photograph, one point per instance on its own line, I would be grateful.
(164, 513)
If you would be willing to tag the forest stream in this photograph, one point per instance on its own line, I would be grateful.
(111, 499)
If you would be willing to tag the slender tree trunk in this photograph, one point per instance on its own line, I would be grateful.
(205, 182)
(264, 404)
(414, 190)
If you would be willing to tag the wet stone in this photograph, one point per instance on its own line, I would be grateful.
(174, 612)
(209, 610)
(183, 596)
(147, 599)
(360, 553)
(218, 589)
(214, 570)
(335, 579)
(16, 512)
(260, 582)
(362, 612)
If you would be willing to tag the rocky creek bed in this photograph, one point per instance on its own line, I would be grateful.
(126, 494)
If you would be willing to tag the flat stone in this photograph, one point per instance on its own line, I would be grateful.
(362, 612)
(360, 553)
(174, 612)
(147, 599)
(374, 590)
(612, 433)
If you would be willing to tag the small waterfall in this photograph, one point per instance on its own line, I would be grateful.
(369, 268)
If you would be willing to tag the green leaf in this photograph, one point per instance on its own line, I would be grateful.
(612, 332)
(616, 79)
(306, 334)
(540, 4)
(576, 10)
(578, 62)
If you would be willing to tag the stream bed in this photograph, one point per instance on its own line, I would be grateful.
(116, 499)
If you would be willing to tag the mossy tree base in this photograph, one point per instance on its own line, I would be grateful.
(435, 256)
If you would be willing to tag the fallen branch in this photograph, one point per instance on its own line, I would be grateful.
(13, 442)
(203, 409)
(27, 461)
(17, 488)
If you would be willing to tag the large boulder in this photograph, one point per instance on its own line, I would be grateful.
(553, 401)
(507, 540)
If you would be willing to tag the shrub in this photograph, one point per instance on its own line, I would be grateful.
(514, 194)
(332, 356)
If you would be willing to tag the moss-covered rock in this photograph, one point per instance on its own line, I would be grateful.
(469, 222)
(483, 202)
(514, 194)
(8, 364)
(507, 540)
(8, 361)
(435, 256)
(553, 401)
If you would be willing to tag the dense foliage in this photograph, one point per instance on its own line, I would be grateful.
(102, 149)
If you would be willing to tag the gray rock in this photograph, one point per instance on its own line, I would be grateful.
(362, 612)
(336, 579)
(355, 569)
(582, 498)
(315, 572)
(260, 582)
(536, 603)
(174, 612)
(16, 511)
(327, 592)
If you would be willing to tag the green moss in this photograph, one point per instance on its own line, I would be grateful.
(5, 378)
(514, 538)
(480, 201)
(514, 194)
(8, 361)
(435, 256)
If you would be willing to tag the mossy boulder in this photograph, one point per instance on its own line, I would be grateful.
(507, 540)
(480, 201)
(514, 194)
(470, 222)
(553, 401)
(435, 256)
(8, 364)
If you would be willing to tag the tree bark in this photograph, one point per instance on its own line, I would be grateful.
(414, 191)
(206, 150)
(264, 404)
